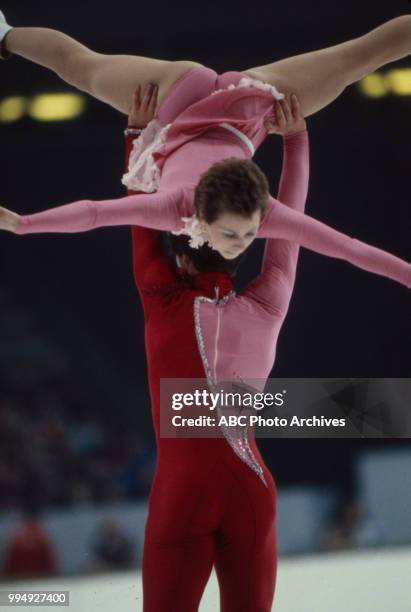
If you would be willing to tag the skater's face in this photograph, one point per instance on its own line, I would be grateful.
(231, 234)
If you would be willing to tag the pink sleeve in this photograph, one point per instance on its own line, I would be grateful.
(283, 222)
(274, 286)
(161, 210)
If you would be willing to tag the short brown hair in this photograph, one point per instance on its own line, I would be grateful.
(204, 259)
(231, 186)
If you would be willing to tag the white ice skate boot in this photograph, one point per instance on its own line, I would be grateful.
(4, 29)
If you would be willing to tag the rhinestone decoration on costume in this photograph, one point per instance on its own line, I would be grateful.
(240, 445)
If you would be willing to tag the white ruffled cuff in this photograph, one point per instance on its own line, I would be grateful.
(192, 228)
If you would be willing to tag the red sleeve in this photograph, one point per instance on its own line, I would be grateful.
(150, 266)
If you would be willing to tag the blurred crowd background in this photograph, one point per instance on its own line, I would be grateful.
(77, 449)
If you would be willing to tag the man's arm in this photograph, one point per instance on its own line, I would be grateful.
(293, 225)
(274, 286)
(149, 262)
(150, 265)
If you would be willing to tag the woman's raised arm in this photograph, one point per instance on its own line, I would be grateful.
(283, 222)
(161, 210)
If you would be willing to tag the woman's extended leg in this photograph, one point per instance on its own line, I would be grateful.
(319, 77)
(110, 78)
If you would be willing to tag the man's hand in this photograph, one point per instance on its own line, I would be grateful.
(8, 220)
(143, 109)
(289, 118)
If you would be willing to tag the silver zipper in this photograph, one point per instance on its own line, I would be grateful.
(240, 447)
(217, 335)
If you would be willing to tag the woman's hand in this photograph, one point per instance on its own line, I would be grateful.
(8, 220)
(143, 110)
(289, 119)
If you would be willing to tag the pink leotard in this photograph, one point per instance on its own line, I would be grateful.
(232, 332)
(194, 142)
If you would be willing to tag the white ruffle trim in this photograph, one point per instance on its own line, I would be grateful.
(248, 82)
(143, 173)
(192, 228)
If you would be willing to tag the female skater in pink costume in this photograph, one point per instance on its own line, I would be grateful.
(204, 118)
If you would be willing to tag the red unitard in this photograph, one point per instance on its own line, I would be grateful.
(206, 506)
